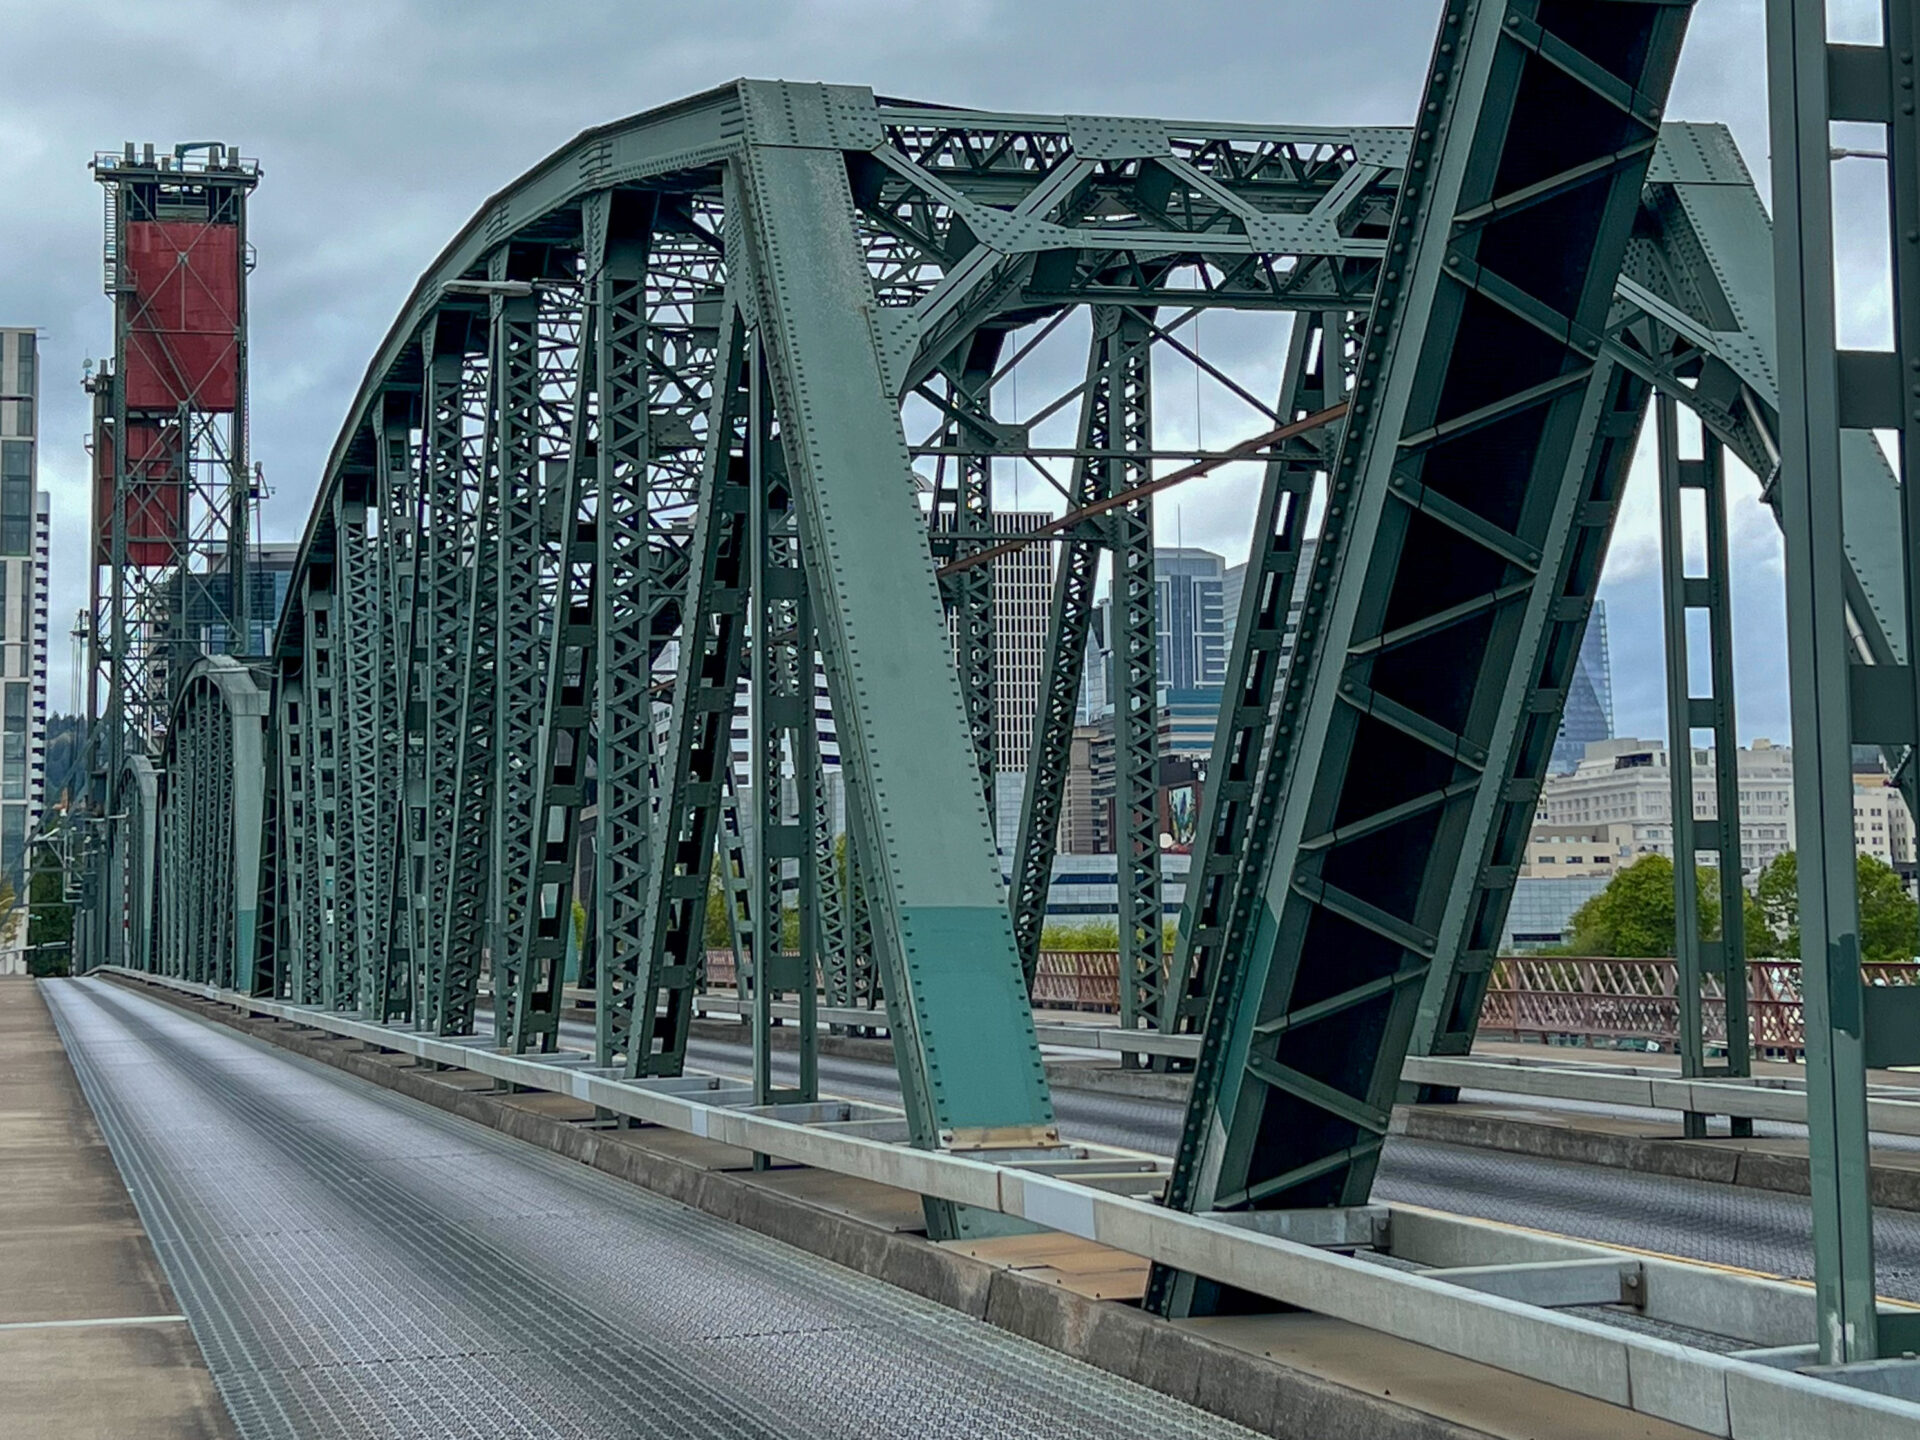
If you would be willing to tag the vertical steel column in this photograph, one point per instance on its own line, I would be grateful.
(519, 674)
(1836, 702)
(323, 770)
(1817, 651)
(834, 968)
(963, 529)
(783, 741)
(1136, 674)
(469, 867)
(272, 944)
(1069, 624)
(455, 443)
(546, 921)
(404, 961)
(357, 691)
(391, 989)
(623, 620)
(1724, 957)
(301, 983)
(971, 1073)
(656, 990)
(1243, 781)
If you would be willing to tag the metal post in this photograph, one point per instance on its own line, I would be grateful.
(781, 718)
(1724, 957)
(1818, 648)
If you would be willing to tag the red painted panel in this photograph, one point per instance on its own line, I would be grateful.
(156, 500)
(184, 314)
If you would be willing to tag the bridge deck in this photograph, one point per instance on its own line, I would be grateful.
(92, 1343)
(359, 1264)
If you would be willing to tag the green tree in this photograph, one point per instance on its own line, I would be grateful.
(717, 937)
(1778, 894)
(1761, 943)
(1634, 915)
(1889, 915)
(49, 916)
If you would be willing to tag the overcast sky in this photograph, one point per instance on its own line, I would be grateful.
(382, 124)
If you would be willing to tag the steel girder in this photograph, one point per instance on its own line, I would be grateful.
(1467, 519)
(1724, 957)
(133, 876)
(1243, 784)
(1116, 356)
(401, 780)
(970, 1067)
(783, 739)
(210, 830)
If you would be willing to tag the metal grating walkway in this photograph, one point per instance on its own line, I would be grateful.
(358, 1264)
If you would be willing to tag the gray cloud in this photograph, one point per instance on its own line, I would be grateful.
(383, 124)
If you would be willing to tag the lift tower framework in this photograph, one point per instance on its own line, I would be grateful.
(172, 483)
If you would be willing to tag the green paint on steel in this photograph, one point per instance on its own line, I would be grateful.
(1418, 712)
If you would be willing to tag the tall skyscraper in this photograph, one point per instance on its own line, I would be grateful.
(1589, 713)
(1190, 629)
(1022, 604)
(23, 626)
(1191, 626)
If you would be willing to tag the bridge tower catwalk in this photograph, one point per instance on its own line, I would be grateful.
(172, 484)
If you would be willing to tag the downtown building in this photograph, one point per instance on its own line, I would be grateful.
(1616, 805)
(23, 628)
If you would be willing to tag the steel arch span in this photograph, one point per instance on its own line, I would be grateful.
(712, 400)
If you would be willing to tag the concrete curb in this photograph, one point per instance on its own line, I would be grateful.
(1895, 1188)
(1262, 1395)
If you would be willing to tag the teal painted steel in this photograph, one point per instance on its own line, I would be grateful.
(1814, 409)
(624, 619)
(1724, 956)
(1244, 773)
(1427, 685)
(783, 742)
(970, 1067)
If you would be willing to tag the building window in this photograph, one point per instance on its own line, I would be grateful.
(13, 743)
(16, 497)
(13, 843)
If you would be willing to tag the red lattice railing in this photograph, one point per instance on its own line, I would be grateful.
(1531, 996)
(1626, 1000)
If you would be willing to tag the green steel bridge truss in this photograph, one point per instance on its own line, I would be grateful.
(637, 447)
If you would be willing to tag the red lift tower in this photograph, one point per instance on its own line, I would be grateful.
(172, 486)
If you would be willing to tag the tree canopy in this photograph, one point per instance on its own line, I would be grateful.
(1634, 915)
(1889, 916)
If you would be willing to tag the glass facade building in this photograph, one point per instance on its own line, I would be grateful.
(23, 624)
(1589, 713)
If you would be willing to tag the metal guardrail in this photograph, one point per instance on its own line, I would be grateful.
(1627, 1000)
(1581, 998)
(1460, 1307)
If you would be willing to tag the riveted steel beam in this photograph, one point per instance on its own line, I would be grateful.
(517, 672)
(624, 647)
(1244, 772)
(655, 984)
(970, 1068)
(1117, 350)
(783, 738)
(1421, 703)
(1723, 958)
